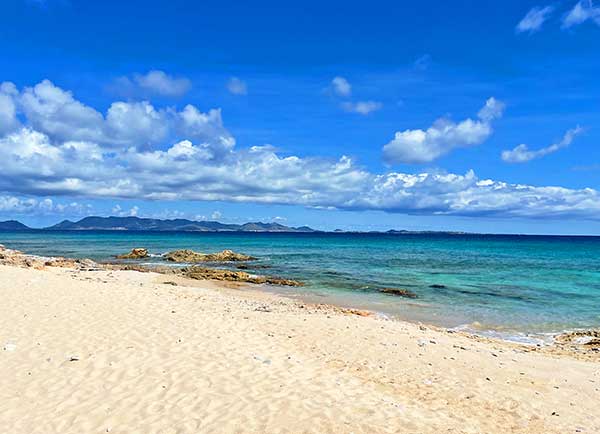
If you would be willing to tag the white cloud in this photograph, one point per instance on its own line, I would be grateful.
(120, 212)
(216, 215)
(522, 153)
(8, 109)
(10, 205)
(341, 87)
(153, 83)
(362, 107)
(422, 63)
(534, 19)
(38, 163)
(424, 146)
(584, 10)
(237, 86)
(53, 111)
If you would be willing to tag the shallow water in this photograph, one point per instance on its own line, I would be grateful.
(512, 286)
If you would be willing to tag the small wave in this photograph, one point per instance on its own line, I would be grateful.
(532, 339)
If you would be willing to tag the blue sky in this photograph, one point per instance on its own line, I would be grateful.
(438, 115)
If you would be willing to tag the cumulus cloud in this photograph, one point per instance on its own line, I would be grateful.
(55, 112)
(362, 107)
(153, 83)
(522, 153)
(237, 86)
(534, 19)
(120, 212)
(10, 205)
(341, 87)
(583, 11)
(39, 163)
(424, 146)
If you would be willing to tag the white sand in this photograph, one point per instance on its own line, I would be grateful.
(120, 352)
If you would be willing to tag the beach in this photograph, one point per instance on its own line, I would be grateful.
(96, 350)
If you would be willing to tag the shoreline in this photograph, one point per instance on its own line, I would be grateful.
(550, 339)
(96, 350)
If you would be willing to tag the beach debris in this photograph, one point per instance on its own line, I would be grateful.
(9, 346)
(422, 342)
(400, 292)
(136, 253)
(263, 309)
(190, 256)
(73, 359)
(170, 282)
(262, 359)
(357, 312)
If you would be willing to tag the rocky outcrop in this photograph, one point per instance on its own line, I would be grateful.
(400, 292)
(203, 273)
(19, 259)
(136, 253)
(190, 256)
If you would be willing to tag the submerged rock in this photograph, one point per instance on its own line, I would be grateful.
(203, 273)
(400, 292)
(137, 253)
(437, 286)
(252, 266)
(191, 256)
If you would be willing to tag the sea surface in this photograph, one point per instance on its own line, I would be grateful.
(523, 288)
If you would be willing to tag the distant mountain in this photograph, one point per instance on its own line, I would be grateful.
(13, 225)
(147, 224)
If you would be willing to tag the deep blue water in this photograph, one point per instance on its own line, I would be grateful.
(510, 285)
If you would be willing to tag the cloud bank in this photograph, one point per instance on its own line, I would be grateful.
(53, 144)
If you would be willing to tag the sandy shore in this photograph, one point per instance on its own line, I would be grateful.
(124, 352)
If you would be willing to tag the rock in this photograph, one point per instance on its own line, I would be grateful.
(191, 256)
(586, 339)
(437, 286)
(203, 273)
(252, 266)
(136, 253)
(400, 292)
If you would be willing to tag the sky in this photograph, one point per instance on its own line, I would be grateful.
(472, 116)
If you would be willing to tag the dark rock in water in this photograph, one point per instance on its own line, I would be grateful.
(191, 256)
(252, 266)
(137, 253)
(437, 286)
(203, 273)
(400, 292)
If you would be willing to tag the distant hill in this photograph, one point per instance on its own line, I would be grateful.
(13, 225)
(147, 224)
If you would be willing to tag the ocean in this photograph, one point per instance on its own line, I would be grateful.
(523, 288)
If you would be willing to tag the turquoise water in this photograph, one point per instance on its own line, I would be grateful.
(519, 287)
